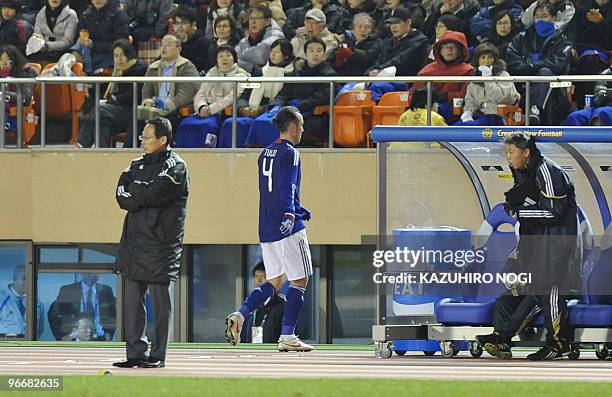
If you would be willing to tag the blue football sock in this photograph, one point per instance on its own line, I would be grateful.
(293, 307)
(256, 298)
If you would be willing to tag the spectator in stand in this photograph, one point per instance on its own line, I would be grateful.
(334, 14)
(403, 54)
(276, 6)
(13, 64)
(462, 9)
(481, 99)
(542, 50)
(593, 61)
(201, 7)
(481, 23)
(253, 103)
(167, 98)
(417, 113)
(148, 18)
(562, 10)
(226, 33)
(594, 24)
(254, 50)
(14, 30)
(116, 104)
(210, 101)
(451, 57)
(600, 111)
(315, 26)
(306, 96)
(503, 29)
(232, 8)
(359, 49)
(445, 23)
(195, 44)
(359, 7)
(100, 25)
(56, 23)
(383, 30)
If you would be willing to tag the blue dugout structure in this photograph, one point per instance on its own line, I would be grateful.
(591, 153)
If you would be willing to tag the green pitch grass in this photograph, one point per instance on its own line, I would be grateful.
(121, 386)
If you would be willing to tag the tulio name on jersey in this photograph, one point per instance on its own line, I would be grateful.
(270, 153)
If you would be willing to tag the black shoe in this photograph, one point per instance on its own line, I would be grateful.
(534, 116)
(490, 338)
(500, 350)
(152, 363)
(550, 353)
(130, 363)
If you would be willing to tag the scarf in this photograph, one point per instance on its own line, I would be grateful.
(52, 15)
(118, 72)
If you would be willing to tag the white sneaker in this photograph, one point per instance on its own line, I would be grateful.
(233, 325)
(294, 344)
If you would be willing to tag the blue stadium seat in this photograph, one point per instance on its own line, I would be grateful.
(595, 308)
(479, 299)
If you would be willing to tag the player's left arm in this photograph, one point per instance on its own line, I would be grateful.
(169, 185)
(289, 169)
(555, 195)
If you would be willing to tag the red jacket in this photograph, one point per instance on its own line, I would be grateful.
(460, 67)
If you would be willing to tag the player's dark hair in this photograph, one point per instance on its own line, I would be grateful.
(259, 268)
(163, 127)
(522, 140)
(286, 116)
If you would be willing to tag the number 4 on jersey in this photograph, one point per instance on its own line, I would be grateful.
(268, 172)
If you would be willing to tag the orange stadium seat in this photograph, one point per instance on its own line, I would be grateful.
(64, 100)
(390, 108)
(353, 118)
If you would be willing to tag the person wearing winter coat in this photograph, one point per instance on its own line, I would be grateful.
(57, 24)
(451, 55)
(202, 129)
(481, 23)
(153, 191)
(148, 18)
(315, 25)
(503, 29)
(254, 50)
(334, 13)
(562, 10)
(481, 99)
(254, 103)
(104, 22)
(359, 49)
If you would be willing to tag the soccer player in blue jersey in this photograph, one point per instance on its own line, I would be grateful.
(282, 232)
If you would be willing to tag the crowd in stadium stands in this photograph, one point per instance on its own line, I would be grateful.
(312, 38)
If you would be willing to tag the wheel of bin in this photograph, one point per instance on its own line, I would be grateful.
(429, 353)
(601, 352)
(448, 349)
(386, 351)
(574, 354)
(400, 352)
(475, 349)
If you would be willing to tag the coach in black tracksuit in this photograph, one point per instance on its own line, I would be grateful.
(543, 200)
(153, 190)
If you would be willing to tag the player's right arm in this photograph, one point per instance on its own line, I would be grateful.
(122, 193)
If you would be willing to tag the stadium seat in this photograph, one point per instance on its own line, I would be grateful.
(390, 108)
(479, 299)
(595, 307)
(513, 114)
(63, 100)
(30, 120)
(353, 118)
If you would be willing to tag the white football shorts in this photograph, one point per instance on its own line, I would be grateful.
(290, 256)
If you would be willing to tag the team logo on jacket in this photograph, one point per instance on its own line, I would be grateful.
(487, 133)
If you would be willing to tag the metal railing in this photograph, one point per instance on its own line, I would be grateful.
(558, 81)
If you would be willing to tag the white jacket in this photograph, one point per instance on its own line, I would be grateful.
(218, 95)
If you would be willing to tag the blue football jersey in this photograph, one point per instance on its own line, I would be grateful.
(279, 190)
